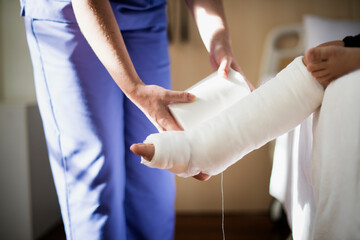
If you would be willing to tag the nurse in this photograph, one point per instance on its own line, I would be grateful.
(101, 71)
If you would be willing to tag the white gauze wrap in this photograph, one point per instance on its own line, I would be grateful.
(247, 124)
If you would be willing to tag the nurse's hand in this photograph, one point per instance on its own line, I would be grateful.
(221, 57)
(147, 152)
(154, 100)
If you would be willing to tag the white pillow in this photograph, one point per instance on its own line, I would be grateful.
(319, 30)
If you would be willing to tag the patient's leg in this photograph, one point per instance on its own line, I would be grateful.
(271, 110)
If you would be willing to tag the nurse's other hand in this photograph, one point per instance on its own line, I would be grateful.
(147, 152)
(154, 100)
(221, 58)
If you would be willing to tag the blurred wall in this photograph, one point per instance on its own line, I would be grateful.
(246, 183)
(1, 53)
(16, 79)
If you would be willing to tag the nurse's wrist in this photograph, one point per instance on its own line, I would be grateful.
(134, 90)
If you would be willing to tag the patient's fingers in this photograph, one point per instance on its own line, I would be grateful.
(202, 177)
(143, 149)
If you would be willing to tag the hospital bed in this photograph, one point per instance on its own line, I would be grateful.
(282, 45)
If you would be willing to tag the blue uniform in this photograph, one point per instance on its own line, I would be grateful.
(103, 191)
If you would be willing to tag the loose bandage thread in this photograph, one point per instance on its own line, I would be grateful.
(222, 206)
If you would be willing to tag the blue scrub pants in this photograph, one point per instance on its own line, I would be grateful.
(104, 192)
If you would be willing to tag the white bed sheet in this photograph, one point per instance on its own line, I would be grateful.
(296, 172)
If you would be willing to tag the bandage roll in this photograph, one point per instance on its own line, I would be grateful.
(215, 144)
(213, 95)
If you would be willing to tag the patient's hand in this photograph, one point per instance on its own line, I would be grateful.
(147, 152)
(331, 60)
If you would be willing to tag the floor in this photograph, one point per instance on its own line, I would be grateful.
(208, 226)
(240, 226)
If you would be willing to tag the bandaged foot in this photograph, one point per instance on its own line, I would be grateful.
(247, 124)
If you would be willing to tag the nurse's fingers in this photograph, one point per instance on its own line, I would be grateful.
(213, 63)
(167, 122)
(179, 96)
(224, 67)
(234, 65)
(143, 149)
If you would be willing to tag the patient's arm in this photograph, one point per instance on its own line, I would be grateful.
(271, 110)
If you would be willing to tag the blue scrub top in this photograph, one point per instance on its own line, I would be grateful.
(130, 14)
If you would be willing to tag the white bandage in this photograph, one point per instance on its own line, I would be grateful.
(213, 95)
(271, 110)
